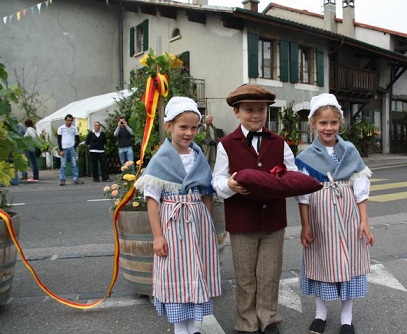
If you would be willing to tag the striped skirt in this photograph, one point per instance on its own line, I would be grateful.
(190, 273)
(336, 255)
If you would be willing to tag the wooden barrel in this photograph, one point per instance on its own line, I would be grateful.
(136, 250)
(136, 247)
(8, 256)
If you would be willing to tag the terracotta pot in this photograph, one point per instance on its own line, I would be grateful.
(136, 247)
(8, 256)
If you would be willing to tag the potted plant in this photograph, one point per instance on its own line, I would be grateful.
(290, 132)
(12, 159)
(363, 134)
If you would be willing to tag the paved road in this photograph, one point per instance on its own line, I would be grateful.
(73, 256)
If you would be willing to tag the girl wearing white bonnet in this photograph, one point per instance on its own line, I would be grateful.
(177, 187)
(335, 223)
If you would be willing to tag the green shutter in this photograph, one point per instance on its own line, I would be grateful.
(145, 35)
(253, 54)
(294, 65)
(320, 67)
(284, 60)
(132, 51)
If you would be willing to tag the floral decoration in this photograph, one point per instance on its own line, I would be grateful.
(159, 64)
(124, 181)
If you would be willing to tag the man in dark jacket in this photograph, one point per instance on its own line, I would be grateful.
(124, 135)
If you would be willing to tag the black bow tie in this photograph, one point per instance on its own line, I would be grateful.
(251, 134)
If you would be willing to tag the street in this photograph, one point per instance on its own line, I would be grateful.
(66, 234)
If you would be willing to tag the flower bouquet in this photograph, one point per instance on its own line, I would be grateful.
(124, 181)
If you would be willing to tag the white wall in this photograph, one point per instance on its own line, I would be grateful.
(71, 47)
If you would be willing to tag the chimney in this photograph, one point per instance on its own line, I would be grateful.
(329, 15)
(252, 5)
(348, 9)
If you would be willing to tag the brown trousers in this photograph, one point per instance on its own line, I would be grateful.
(257, 259)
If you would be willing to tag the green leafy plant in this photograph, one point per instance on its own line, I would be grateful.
(12, 144)
(362, 133)
(290, 120)
(124, 182)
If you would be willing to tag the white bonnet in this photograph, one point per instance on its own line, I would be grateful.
(179, 104)
(323, 100)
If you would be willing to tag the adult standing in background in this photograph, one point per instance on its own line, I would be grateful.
(68, 141)
(124, 135)
(31, 132)
(97, 141)
(24, 174)
(211, 140)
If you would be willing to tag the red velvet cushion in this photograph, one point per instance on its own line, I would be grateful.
(278, 183)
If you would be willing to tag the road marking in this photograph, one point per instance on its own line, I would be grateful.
(287, 296)
(118, 302)
(388, 186)
(211, 325)
(98, 200)
(379, 275)
(17, 204)
(378, 180)
(388, 197)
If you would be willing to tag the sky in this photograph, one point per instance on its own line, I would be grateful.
(388, 14)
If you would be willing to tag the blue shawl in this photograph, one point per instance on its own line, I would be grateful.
(317, 161)
(167, 171)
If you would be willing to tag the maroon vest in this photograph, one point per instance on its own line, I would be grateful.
(243, 215)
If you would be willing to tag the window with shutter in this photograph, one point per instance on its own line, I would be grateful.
(304, 64)
(267, 59)
(141, 37)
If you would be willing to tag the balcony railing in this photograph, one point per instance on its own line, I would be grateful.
(200, 90)
(352, 81)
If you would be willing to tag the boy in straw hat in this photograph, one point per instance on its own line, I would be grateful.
(256, 228)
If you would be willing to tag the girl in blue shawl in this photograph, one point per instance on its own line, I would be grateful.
(177, 186)
(335, 226)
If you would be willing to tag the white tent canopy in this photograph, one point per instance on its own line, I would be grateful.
(95, 108)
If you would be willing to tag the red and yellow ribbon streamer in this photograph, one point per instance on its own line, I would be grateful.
(67, 302)
(155, 88)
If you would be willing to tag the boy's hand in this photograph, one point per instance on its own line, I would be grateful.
(365, 229)
(306, 235)
(160, 246)
(236, 187)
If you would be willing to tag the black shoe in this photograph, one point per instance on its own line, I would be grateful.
(271, 329)
(62, 183)
(96, 180)
(244, 332)
(317, 326)
(78, 181)
(347, 329)
(109, 180)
